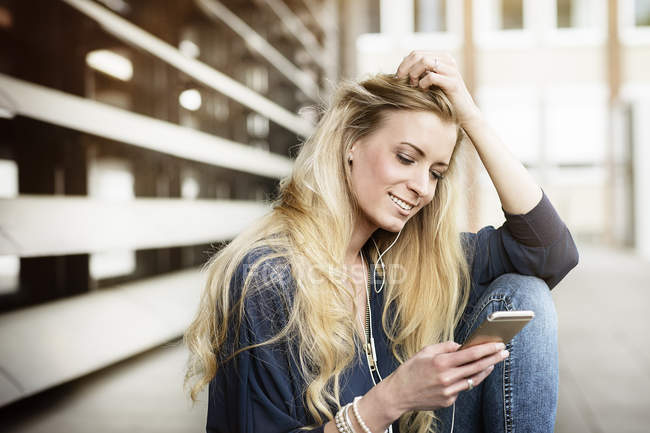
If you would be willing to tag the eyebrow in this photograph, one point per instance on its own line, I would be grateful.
(421, 152)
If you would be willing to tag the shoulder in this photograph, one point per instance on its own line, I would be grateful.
(265, 275)
(260, 297)
(264, 263)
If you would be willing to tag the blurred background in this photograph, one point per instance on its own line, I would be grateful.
(137, 135)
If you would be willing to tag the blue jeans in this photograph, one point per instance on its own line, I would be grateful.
(520, 395)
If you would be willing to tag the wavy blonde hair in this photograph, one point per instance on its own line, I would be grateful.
(310, 225)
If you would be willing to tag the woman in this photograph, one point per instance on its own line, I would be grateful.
(339, 310)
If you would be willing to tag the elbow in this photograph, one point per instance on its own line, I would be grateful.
(570, 258)
(564, 262)
(573, 256)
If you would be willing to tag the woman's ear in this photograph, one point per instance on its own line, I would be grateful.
(351, 153)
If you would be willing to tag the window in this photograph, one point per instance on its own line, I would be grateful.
(578, 13)
(497, 15)
(564, 13)
(511, 14)
(190, 186)
(111, 179)
(506, 23)
(577, 23)
(430, 16)
(642, 13)
(257, 78)
(634, 22)
(257, 125)
(108, 264)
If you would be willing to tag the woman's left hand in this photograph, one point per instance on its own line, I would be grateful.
(426, 68)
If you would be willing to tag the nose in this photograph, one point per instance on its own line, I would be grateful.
(420, 182)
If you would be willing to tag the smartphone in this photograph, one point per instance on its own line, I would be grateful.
(499, 327)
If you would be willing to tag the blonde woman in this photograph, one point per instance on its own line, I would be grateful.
(342, 309)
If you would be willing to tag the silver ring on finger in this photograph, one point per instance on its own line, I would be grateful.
(470, 384)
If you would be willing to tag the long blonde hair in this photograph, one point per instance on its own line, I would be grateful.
(310, 226)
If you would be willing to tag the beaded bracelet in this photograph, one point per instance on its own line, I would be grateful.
(343, 425)
(347, 418)
(357, 415)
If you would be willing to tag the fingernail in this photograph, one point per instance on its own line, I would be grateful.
(505, 354)
(501, 346)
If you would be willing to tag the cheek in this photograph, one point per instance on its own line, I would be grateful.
(373, 173)
(386, 171)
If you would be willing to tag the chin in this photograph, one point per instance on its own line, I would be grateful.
(392, 225)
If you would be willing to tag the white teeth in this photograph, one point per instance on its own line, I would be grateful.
(400, 202)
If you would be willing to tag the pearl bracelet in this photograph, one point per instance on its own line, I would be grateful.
(357, 415)
(347, 418)
(342, 424)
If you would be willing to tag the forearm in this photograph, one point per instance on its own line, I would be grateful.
(517, 189)
(377, 409)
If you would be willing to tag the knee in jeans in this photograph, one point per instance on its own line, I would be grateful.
(529, 293)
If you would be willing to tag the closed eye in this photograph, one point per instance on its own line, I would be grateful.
(407, 161)
(404, 160)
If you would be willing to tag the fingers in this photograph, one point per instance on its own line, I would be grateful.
(473, 353)
(442, 348)
(439, 371)
(421, 69)
(432, 78)
(407, 63)
(451, 391)
(460, 365)
(418, 62)
(463, 385)
(474, 368)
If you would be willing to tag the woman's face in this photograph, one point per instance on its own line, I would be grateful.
(394, 170)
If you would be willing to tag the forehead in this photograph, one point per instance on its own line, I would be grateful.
(421, 128)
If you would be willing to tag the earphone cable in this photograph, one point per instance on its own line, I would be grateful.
(381, 262)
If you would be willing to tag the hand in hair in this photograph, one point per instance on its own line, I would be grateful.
(426, 69)
(434, 376)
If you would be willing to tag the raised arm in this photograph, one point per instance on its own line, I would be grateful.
(517, 189)
(533, 240)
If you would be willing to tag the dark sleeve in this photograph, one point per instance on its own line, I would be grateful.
(258, 390)
(536, 243)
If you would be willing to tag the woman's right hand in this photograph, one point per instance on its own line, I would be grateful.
(429, 380)
(434, 376)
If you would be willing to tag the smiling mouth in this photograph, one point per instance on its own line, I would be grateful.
(399, 202)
